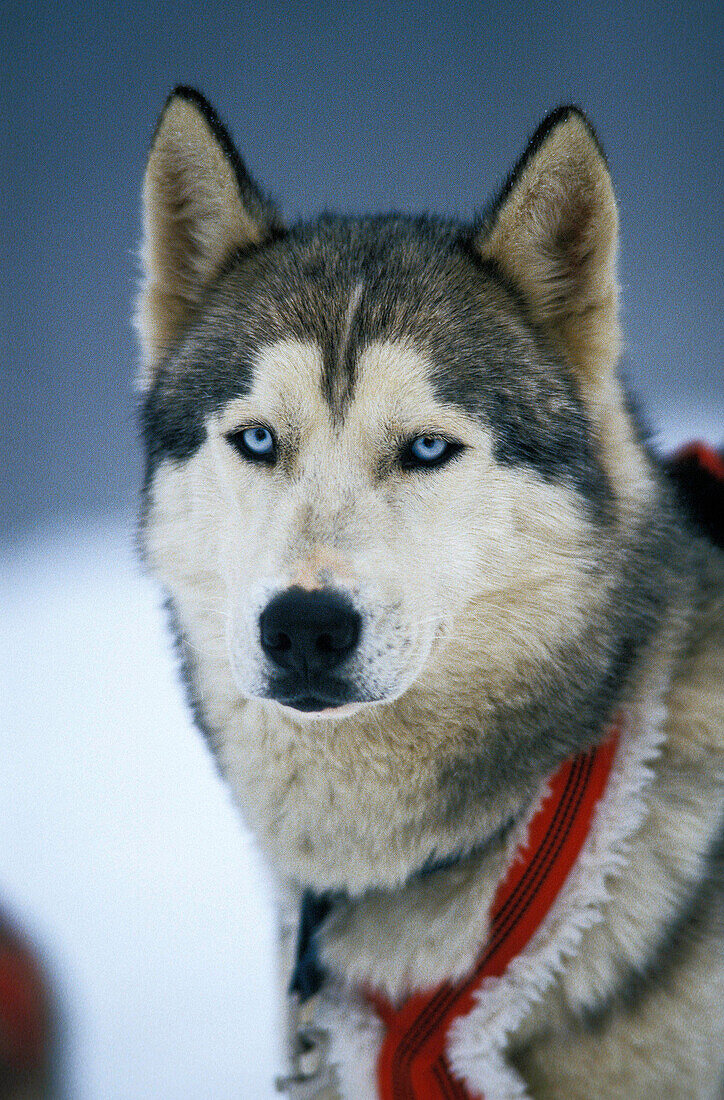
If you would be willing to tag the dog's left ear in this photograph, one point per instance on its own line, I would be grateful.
(200, 205)
(553, 233)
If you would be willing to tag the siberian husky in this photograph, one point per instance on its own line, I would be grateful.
(420, 561)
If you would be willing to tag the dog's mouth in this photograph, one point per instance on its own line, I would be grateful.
(307, 703)
(315, 696)
(311, 704)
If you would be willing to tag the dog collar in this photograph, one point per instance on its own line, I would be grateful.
(413, 1064)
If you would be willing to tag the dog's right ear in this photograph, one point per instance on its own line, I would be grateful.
(553, 233)
(199, 206)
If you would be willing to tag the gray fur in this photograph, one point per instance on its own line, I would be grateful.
(573, 698)
(703, 905)
(422, 281)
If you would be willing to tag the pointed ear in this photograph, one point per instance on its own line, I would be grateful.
(199, 206)
(553, 233)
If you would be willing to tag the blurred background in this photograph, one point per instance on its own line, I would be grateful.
(121, 857)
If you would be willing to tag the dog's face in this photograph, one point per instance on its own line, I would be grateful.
(385, 454)
(336, 584)
(352, 489)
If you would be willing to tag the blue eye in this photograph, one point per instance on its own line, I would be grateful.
(256, 443)
(428, 450)
(258, 440)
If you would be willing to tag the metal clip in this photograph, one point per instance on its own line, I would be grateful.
(312, 1077)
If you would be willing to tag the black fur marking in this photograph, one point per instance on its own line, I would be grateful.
(516, 384)
(205, 372)
(309, 974)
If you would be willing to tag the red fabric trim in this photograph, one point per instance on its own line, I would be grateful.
(705, 456)
(413, 1063)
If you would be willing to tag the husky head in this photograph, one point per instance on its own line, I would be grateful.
(388, 465)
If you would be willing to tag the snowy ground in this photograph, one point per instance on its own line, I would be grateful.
(120, 852)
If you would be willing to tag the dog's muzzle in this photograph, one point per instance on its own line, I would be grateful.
(307, 635)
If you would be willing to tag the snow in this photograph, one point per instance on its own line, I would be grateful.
(121, 854)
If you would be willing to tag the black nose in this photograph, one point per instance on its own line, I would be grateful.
(307, 632)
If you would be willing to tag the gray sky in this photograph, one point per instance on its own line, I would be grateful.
(348, 107)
